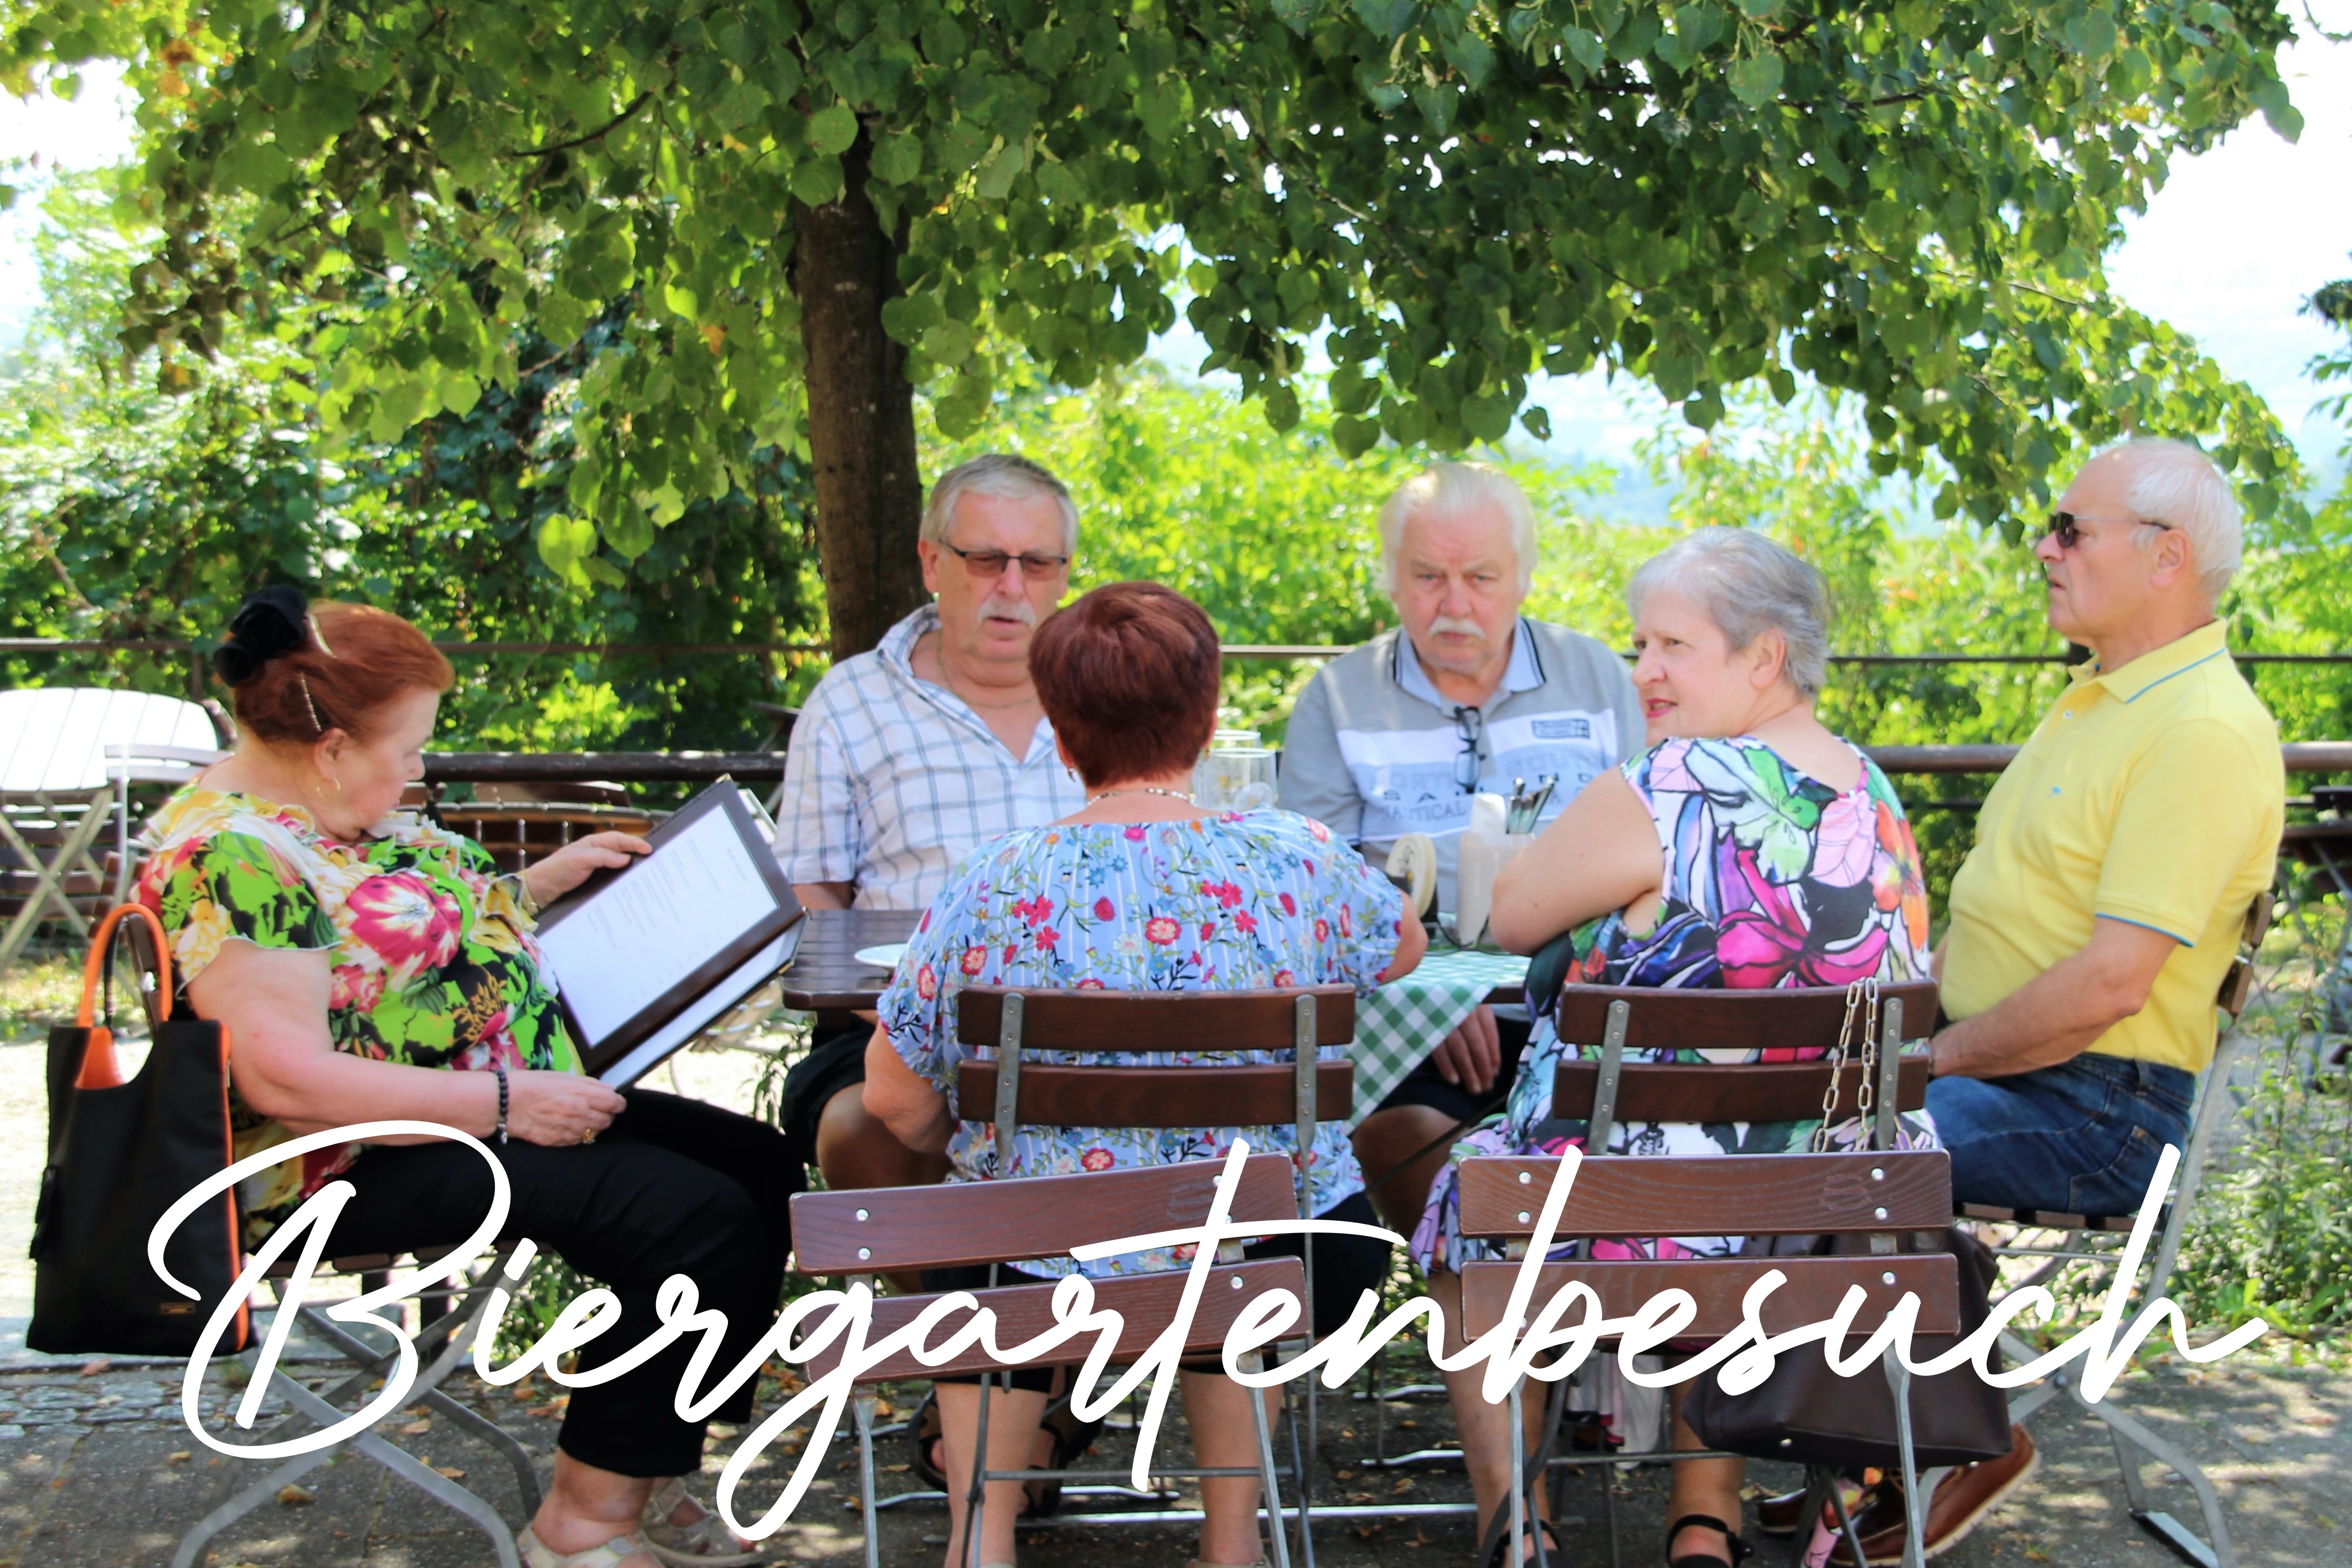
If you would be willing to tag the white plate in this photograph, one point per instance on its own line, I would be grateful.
(886, 956)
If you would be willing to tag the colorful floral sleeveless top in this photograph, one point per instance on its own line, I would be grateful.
(1773, 879)
(1238, 901)
(432, 961)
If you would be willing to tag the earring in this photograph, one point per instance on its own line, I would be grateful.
(338, 784)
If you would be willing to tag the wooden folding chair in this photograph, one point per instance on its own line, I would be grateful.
(1620, 1018)
(1880, 1194)
(149, 762)
(867, 1233)
(2098, 1239)
(442, 1346)
(1012, 1091)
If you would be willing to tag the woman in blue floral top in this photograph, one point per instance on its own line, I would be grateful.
(1141, 890)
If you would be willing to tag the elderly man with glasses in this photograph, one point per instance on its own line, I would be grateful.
(2092, 921)
(906, 758)
(1464, 696)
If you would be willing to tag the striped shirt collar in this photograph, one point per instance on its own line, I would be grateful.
(1523, 673)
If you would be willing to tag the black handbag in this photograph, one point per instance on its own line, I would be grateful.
(1807, 1414)
(122, 1151)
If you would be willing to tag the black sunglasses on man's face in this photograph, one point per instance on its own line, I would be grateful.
(2065, 527)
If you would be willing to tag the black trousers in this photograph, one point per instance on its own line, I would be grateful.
(674, 1186)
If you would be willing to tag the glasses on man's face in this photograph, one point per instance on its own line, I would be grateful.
(1470, 724)
(985, 564)
(2065, 527)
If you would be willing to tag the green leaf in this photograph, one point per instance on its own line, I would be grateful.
(1585, 45)
(1700, 25)
(1473, 57)
(1002, 167)
(564, 543)
(898, 158)
(2271, 97)
(2092, 34)
(1759, 10)
(1756, 80)
(1486, 417)
(1355, 437)
(1296, 14)
(947, 343)
(817, 182)
(1387, 19)
(832, 130)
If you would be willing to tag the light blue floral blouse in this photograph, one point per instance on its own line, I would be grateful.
(1234, 903)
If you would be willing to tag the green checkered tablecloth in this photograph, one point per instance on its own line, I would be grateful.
(1406, 1018)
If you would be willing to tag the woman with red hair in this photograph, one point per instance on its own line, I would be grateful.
(1141, 890)
(369, 966)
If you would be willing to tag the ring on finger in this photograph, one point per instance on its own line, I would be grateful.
(588, 1136)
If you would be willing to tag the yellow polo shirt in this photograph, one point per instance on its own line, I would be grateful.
(2152, 793)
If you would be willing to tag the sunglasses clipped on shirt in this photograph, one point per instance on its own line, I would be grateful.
(1470, 724)
(2065, 527)
(985, 564)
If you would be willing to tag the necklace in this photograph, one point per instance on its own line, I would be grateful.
(1144, 789)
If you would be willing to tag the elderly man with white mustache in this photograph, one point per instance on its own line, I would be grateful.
(1395, 738)
(906, 758)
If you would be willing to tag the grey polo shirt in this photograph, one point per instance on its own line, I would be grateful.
(1373, 751)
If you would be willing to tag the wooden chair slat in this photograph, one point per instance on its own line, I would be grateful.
(1719, 1287)
(1761, 1091)
(1157, 1020)
(1038, 1216)
(1731, 1020)
(1731, 1194)
(1156, 1097)
(1146, 1304)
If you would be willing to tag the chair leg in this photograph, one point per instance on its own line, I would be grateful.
(1915, 1506)
(200, 1534)
(1607, 1471)
(1301, 1457)
(518, 1457)
(2216, 1550)
(1519, 1475)
(1846, 1523)
(976, 1501)
(862, 1412)
(413, 1471)
(1268, 1478)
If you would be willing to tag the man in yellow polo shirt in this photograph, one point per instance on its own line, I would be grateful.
(2114, 859)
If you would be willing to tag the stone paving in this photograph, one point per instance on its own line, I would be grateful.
(97, 1471)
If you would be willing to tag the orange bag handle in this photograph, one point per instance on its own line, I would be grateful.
(99, 1068)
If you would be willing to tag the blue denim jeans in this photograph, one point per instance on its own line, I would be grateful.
(2082, 1137)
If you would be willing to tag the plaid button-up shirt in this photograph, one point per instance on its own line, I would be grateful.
(891, 781)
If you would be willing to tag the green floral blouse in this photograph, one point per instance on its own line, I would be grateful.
(433, 963)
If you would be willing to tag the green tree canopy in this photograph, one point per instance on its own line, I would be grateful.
(128, 511)
(791, 218)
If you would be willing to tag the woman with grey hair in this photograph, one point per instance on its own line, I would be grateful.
(1748, 847)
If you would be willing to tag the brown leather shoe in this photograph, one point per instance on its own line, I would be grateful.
(1961, 1498)
(1780, 1515)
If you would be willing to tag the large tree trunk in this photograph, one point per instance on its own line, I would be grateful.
(861, 413)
